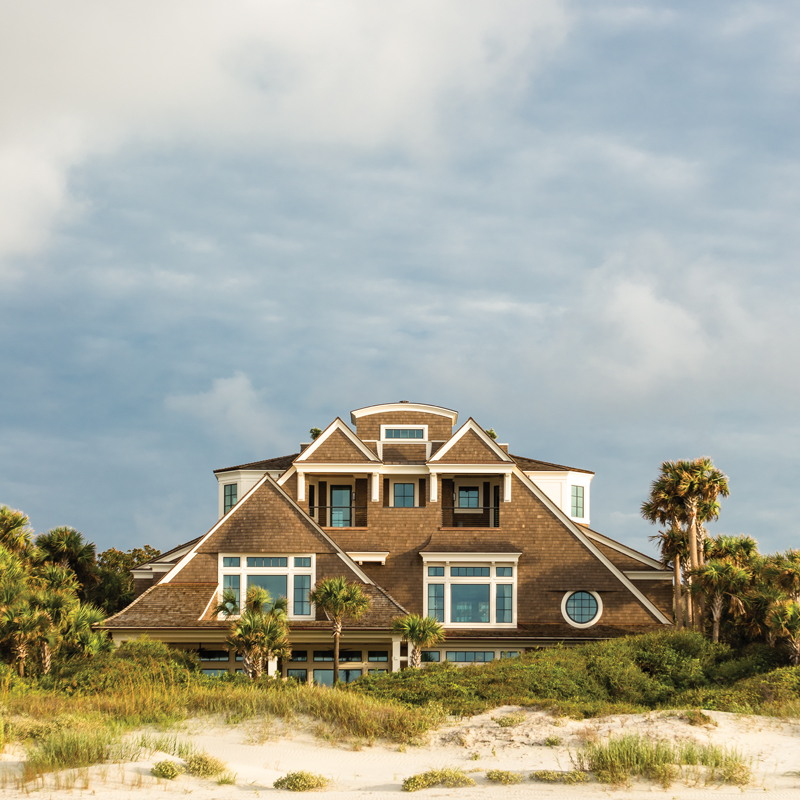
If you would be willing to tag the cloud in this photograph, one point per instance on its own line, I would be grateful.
(89, 78)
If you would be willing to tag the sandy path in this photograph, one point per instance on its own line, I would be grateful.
(262, 751)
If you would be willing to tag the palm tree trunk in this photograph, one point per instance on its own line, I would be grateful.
(794, 647)
(678, 600)
(716, 614)
(416, 656)
(46, 658)
(21, 652)
(248, 664)
(337, 631)
(691, 510)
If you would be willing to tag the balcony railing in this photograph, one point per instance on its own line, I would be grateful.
(339, 516)
(478, 517)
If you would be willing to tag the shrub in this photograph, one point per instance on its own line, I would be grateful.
(511, 720)
(503, 776)
(202, 765)
(227, 778)
(301, 782)
(451, 777)
(169, 770)
(553, 741)
(68, 749)
(552, 776)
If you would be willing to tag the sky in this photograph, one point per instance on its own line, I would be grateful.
(222, 224)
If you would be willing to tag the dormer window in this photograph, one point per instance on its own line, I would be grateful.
(229, 497)
(403, 433)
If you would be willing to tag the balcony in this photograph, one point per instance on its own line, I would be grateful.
(471, 517)
(339, 516)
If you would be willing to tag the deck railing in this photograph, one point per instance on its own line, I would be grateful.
(339, 516)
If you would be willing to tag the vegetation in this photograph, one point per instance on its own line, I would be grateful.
(419, 632)
(451, 777)
(203, 765)
(504, 776)
(301, 782)
(339, 600)
(621, 758)
(553, 776)
(168, 770)
(314, 433)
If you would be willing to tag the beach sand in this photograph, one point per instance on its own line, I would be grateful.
(261, 751)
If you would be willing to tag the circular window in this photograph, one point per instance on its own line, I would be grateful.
(581, 609)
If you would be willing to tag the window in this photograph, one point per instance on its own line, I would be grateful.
(213, 655)
(324, 677)
(577, 501)
(215, 672)
(229, 497)
(323, 655)
(430, 656)
(436, 601)
(468, 497)
(341, 506)
(299, 655)
(282, 576)
(297, 674)
(404, 495)
(509, 653)
(581, 609)
(470, 594)
(345, 656)
(470, 656)
(377, 655)
(403, 433)
(377, 671)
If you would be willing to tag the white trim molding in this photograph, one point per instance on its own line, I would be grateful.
(369, 558)
(655, 575)
(593, 621)
(422, 408)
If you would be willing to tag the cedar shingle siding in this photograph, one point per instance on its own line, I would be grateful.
(555, 555)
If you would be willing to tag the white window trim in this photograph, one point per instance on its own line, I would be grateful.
(582, 624)
(423, 440)
(472, 560)
(243, 571)
(332, 480)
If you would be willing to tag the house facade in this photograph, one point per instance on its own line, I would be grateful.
(429, 517)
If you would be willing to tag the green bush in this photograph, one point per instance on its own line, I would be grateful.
(552, 776)
(511, 720)
(503, 776)
(202, 765)
(451, 777)
(301, 782)
(168, 770)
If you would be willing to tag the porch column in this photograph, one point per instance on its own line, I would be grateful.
(396, 653)
(507, 487)
(375, 487)
(301, 485)
(434, 488)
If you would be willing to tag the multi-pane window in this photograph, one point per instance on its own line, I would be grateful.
(302, 586)
(577, 501)
(298, 674)
(430, 656)
(299, 655)
(404, 495)
(436, 601)
(470, 656)
(229, 496)
(341, 506)
(581, 607)
(468, 497)
(377, 655)
(504, 602)
(509, 653)
(290, 577)
(466, 595)
(403, 433)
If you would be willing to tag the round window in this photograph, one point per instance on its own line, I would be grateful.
(582, 607)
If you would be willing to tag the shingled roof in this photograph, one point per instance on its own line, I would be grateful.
(188, 605)
(533, 465)
(279, 462)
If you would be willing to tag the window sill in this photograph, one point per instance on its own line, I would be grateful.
(465, 528)
(344, 528)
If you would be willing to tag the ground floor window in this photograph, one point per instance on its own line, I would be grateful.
(509, 653)
(215, 672)
(470, 656)
(430, 656)
(297, 674)
(324, 677)
(378, 671)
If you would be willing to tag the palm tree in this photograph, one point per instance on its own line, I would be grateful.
(80, 636)
(721, 578)
(784, 569)
(785, 621)
(687, 491)
(57, 607)
(674, 549)
(67, 547)
(339, 600)
(419, 632)
(22, 625)
(260, 632)
(15, 531)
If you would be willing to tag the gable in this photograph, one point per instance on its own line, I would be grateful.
(338, 449)
(470, 449)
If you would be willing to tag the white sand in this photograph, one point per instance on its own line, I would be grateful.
(259, 752)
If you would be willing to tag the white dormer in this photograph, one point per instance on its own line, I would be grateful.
(569, 490)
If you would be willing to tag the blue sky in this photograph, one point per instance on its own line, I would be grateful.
(222, 224)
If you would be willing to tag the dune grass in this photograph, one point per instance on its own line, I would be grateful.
(618, 759)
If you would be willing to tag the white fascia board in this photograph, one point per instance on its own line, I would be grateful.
(404, 469)
(471, 425)
(471, 469)
(336, 425)
(627, 551)
(656, 575)
(237, 508)
(581, 536)
(236, 475)
(323, 467)
(285, 477)
(470, 557)
(421, 408)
